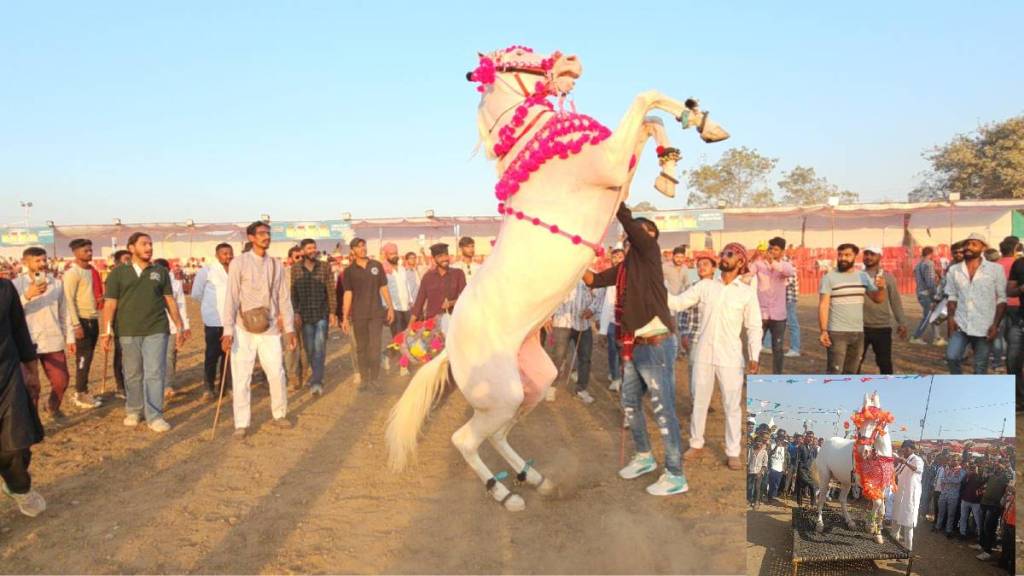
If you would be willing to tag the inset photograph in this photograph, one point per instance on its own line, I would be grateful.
(905, 474)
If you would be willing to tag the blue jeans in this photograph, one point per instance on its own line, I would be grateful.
(1015, 349)
(793, 325)
(583, 343)
(958, 342)
(653, 368)
(774, 479)
(314, 340)
(144, 359)
(926, 301)
(751, 487)
(614, 354)
(973, 508)
(947, 512)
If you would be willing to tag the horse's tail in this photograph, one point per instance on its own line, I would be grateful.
(408, 415)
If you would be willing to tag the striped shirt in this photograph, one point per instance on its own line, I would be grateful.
(792, 287)
(846, 307)
(569, 313)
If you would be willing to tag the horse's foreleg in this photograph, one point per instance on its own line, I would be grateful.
(524, 471)
(468, 439)
(877, 515)
(823, 478)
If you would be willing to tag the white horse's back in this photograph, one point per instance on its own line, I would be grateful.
(835, 461)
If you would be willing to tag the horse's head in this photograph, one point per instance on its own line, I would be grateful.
(518, 69)
(871, 423)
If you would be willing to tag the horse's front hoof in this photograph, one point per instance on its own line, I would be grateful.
(819, 527)
(666, 185)
(878, 538)
(515, 503)
(546, 488)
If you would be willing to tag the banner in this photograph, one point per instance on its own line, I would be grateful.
(317, 230)
(685, 220)
(26, 236)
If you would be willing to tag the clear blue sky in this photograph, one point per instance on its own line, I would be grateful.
(224, 110)
(960, 404)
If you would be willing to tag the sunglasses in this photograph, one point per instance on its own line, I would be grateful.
(727, 254)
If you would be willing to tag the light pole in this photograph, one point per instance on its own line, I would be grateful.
(191, 227)
(27, 207)
(721, 207)
(953, 197)
(53, 236)
(833, 201)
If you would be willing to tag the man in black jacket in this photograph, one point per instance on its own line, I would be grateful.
(20, 427)
(647, 331)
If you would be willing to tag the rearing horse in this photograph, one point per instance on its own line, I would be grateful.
(869, 455)
(561, 177)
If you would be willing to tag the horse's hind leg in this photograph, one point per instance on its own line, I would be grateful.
(468, 438)
(844, 490)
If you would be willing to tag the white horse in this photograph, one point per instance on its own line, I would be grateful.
(556, 213)
(835, 461)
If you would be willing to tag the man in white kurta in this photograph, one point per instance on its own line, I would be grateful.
(728, 303)
(909, 469)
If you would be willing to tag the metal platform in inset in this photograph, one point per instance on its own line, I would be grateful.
(837, 542)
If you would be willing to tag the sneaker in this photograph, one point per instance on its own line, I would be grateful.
(240, 433)
(767, 351)
(692, 453)
(86, 400)
(668, 485)
(403, 371)
(984, 556)
(792, 354)
(917, 341)
(132, 420)
(573, 377)
(159, 425)
(940, 342)
(616, 385)
(284, 423)
(585, 397)
(641, 464)
(975, 546)
(120, 395)
(31, 503)
(317, 390)
(550, 394)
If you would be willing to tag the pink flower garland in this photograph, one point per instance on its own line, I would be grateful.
(564, 134)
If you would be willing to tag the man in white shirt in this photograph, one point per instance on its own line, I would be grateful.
(402, 283)
(49, 324)
(178, 292)
(977, 301)
(729, 304)
(467, 258)
(210, 289)
(257, 309)
(606, 327)
(909, 468)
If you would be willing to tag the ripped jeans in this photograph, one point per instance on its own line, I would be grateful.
(653, 370)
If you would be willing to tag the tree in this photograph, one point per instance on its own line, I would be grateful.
(987, 163)
(644, 207)
(739, 178)
(801, 186)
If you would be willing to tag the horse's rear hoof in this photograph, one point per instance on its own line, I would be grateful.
(819, 528)
(515, 503)
(546, 488)
(878, 538)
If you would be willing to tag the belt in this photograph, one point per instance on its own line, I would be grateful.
(650, 340)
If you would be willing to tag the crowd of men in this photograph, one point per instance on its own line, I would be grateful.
(647, 305)
(966, 494)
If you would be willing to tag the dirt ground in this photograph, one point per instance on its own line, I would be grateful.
(770, 550)
(318, 498)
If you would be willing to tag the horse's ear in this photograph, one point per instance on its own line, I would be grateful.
(867, 400)
(479, 54)
(874, 399)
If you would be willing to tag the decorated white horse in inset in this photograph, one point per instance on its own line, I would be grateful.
(561, 177)
(869, 455)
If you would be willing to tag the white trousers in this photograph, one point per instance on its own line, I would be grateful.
(905, 534)
(244, 351)
(730, 383)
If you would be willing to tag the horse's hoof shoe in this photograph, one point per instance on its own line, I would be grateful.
(515, 504)
(819, 528)
(546, 488)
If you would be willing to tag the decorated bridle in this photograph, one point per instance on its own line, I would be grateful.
(881, 418)
(562, 134)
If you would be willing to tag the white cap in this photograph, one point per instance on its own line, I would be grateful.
(873, 249)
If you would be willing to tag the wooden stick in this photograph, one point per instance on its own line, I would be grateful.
(106, 357)
(220, 397)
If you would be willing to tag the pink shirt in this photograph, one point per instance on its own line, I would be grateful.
(771, 287)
